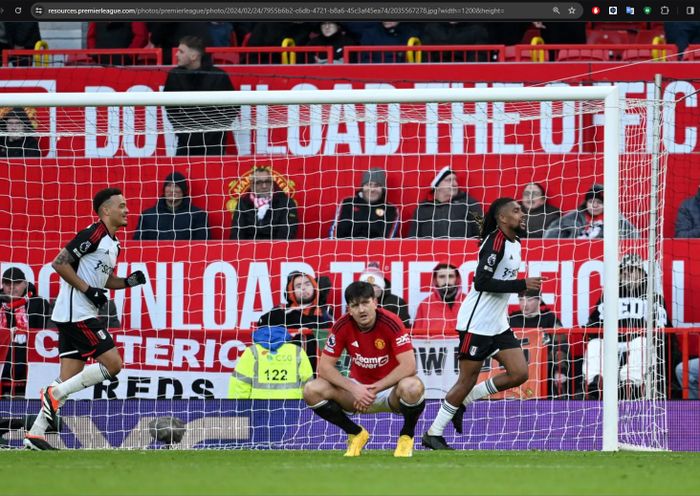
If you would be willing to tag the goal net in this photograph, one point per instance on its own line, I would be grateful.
(439, 157)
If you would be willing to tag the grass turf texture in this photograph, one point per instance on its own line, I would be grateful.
(327, 472)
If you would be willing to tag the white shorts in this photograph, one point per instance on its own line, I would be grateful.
(381, 402)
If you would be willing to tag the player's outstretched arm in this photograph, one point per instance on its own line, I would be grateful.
(134, 279)
(405, 368)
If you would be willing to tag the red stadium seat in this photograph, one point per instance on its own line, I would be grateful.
(583, 54)
(692, 53)
(79, 59)
(646, 36)
(605, 37)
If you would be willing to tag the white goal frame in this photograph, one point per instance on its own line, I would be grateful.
(609, 94)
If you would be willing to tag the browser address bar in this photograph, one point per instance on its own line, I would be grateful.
(309, 11)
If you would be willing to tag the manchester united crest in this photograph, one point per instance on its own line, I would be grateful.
(379, 344)
(239, 186)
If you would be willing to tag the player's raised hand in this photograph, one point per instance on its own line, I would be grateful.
(533, 283)
(98, 296)
(135, 279)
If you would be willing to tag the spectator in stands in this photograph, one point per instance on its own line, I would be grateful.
(367, 214)
(632, 321)
(20, 310)
(387, 33)
(194, 72)
(173, 217)
(451, 213)
(104, 35)
(692, 377)
(270, 360)
(168, 35)
(455, 33)
(303, 315)
(438, 312)
(264, 212)
(332, 35)
(535, 314)
(19, 36)
(586, 222)
(538, 213)
(688, 218)
(382, 290)
(682, 34)
(16, 140)
(220, 33)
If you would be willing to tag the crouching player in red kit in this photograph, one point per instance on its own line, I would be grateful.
(382, 372)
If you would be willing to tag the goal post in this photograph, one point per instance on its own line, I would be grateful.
(606, 98)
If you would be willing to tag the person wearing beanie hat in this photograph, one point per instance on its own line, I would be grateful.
(264, 212)
(367, 214)
(21, 310)
(451, 213)
(332, 35)
(586, 222)
(438, 312)
(535, 314)
(302, 315)
(382, 291)
(632, 314)
(173, 217)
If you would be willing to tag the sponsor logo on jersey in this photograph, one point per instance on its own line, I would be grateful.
(379, 344)
(403, 339)
(101, 334)
(370, 362)
(84, 246)
(77, 253)
(472, 350)
(103, 267)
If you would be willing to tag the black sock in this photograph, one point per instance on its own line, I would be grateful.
(332, 412)
(410, 417)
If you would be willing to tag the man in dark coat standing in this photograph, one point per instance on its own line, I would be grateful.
(194, 72)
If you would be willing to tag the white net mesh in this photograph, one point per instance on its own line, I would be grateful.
(184, 332)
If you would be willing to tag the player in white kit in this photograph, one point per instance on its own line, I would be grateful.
(482, 321)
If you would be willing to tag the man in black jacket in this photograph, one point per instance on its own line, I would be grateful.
(367, 214)
(264, 213)
(174, 217)
(303, 315)
(450, 214)
(194, 72)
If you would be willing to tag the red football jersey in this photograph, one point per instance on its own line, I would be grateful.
(373, 353)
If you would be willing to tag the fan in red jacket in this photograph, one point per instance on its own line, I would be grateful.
(438, 312)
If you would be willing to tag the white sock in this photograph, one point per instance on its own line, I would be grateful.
(41, 423)
(481, 390)
(443, 418)
(91, 375)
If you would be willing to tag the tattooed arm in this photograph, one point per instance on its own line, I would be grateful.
(63, 265)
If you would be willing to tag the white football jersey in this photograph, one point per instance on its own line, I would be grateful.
(95, 253)
(485, 312)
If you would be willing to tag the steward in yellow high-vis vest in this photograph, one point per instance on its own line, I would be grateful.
(270, 368)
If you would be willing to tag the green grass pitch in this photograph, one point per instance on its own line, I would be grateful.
(329, 473)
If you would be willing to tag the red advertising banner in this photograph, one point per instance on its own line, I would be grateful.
(228, 285)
